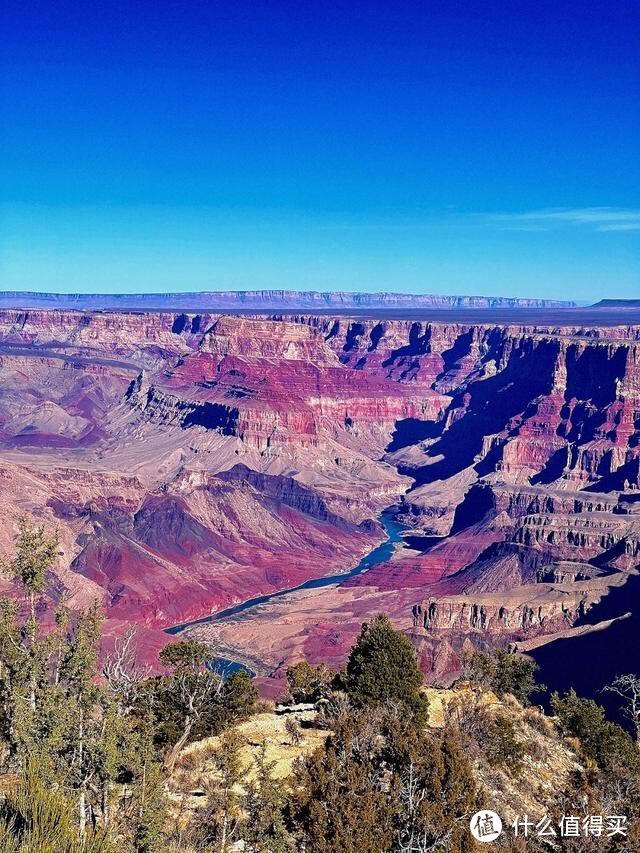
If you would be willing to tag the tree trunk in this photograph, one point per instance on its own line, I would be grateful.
(83, 812)
(106, 815)
(83, 797)
(33, 632)
(223, 840)
(172, 757)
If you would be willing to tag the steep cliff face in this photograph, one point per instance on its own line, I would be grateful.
(559, 556)
(283, 385)
(165, 409)
(100, 332)
(258, 339)
(541, 611)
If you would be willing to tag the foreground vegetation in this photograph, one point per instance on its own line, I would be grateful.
(95, 755)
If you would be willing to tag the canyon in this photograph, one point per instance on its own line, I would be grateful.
(194, 459)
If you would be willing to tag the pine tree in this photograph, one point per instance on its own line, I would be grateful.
(341, 800)
(35, 555)
(264, 827)
(217, 826)
(149, 816)
(382, 667)
(78, 672)
(239, 696)
(380, 783)
(59, 724)
(605, 742)
(504, 672)
(192, 686)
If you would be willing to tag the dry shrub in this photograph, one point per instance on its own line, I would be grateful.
(539, 722)
(188, 761)
(535, 750)
(573, 743)
(468, 713)
(511, 704)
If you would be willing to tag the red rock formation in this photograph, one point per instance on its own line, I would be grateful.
(195, 460)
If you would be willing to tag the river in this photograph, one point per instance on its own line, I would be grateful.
(585, 663)
(379, 554)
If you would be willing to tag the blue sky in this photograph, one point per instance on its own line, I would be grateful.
(411, 146)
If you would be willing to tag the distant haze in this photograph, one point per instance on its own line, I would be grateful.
(266, 299)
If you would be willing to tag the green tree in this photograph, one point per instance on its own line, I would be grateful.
(92, 749)
(341, 800)
(264, 804)
(185, 656)
(379, 783)
(35, 555)
(615, 754)
(450, 794)
(606, 743)
(59, 723)
(217, 825)
(149, 816)
(239, 697)
(383, 667)
(500, 744)
(505, 672)
(191, 685)
(222, 703)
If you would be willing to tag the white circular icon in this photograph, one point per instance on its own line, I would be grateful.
(485, 826)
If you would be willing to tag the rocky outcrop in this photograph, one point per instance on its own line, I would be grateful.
(534, 615)
(162, 408)
(252, 338)
(288, 492)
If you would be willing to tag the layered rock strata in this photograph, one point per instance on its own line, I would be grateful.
(192, 460)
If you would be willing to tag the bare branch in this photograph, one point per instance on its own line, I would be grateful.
(628, 688)
(122, 672)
